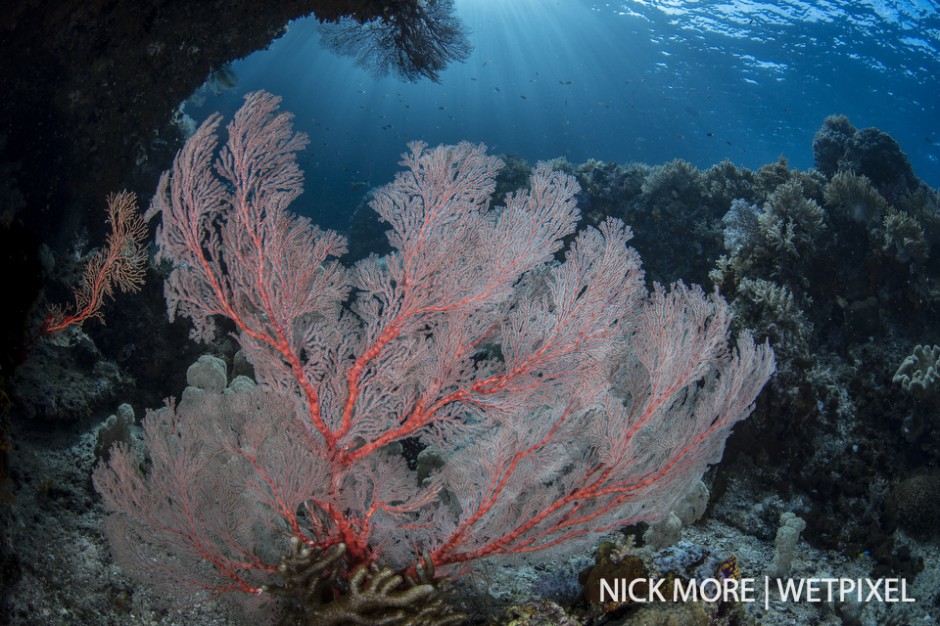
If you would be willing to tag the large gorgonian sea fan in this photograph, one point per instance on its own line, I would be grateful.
(565, 399)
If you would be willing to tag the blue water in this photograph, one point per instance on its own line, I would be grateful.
(620, 81)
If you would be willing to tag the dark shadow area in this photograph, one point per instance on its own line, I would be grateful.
(413, 40)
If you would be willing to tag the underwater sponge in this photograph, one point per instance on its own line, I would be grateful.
(920, 372)
(788, 536)
(207, 373)
(116, 428)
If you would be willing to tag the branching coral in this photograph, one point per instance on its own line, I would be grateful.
(790, 222)
(372, 595)
(725, 182)
(904, 237)
(742, 228)
(855, 195)
(838, 146)
(830, 143)
(776, 312)
(674, 188)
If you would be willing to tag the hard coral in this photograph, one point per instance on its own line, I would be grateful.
(674, 188)
(790, 221)
(904, 237)
(838, 147)
(772, 310)
(855, 195)
(915, 503)
(830, 143)
(920, 372)
(878, 156)
(318, 596)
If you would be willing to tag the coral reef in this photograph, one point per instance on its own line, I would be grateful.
(837, 266)
(468, 328)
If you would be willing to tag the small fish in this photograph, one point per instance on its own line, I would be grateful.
(523, 97)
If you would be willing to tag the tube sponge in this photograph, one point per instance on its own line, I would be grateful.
(788, 535)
